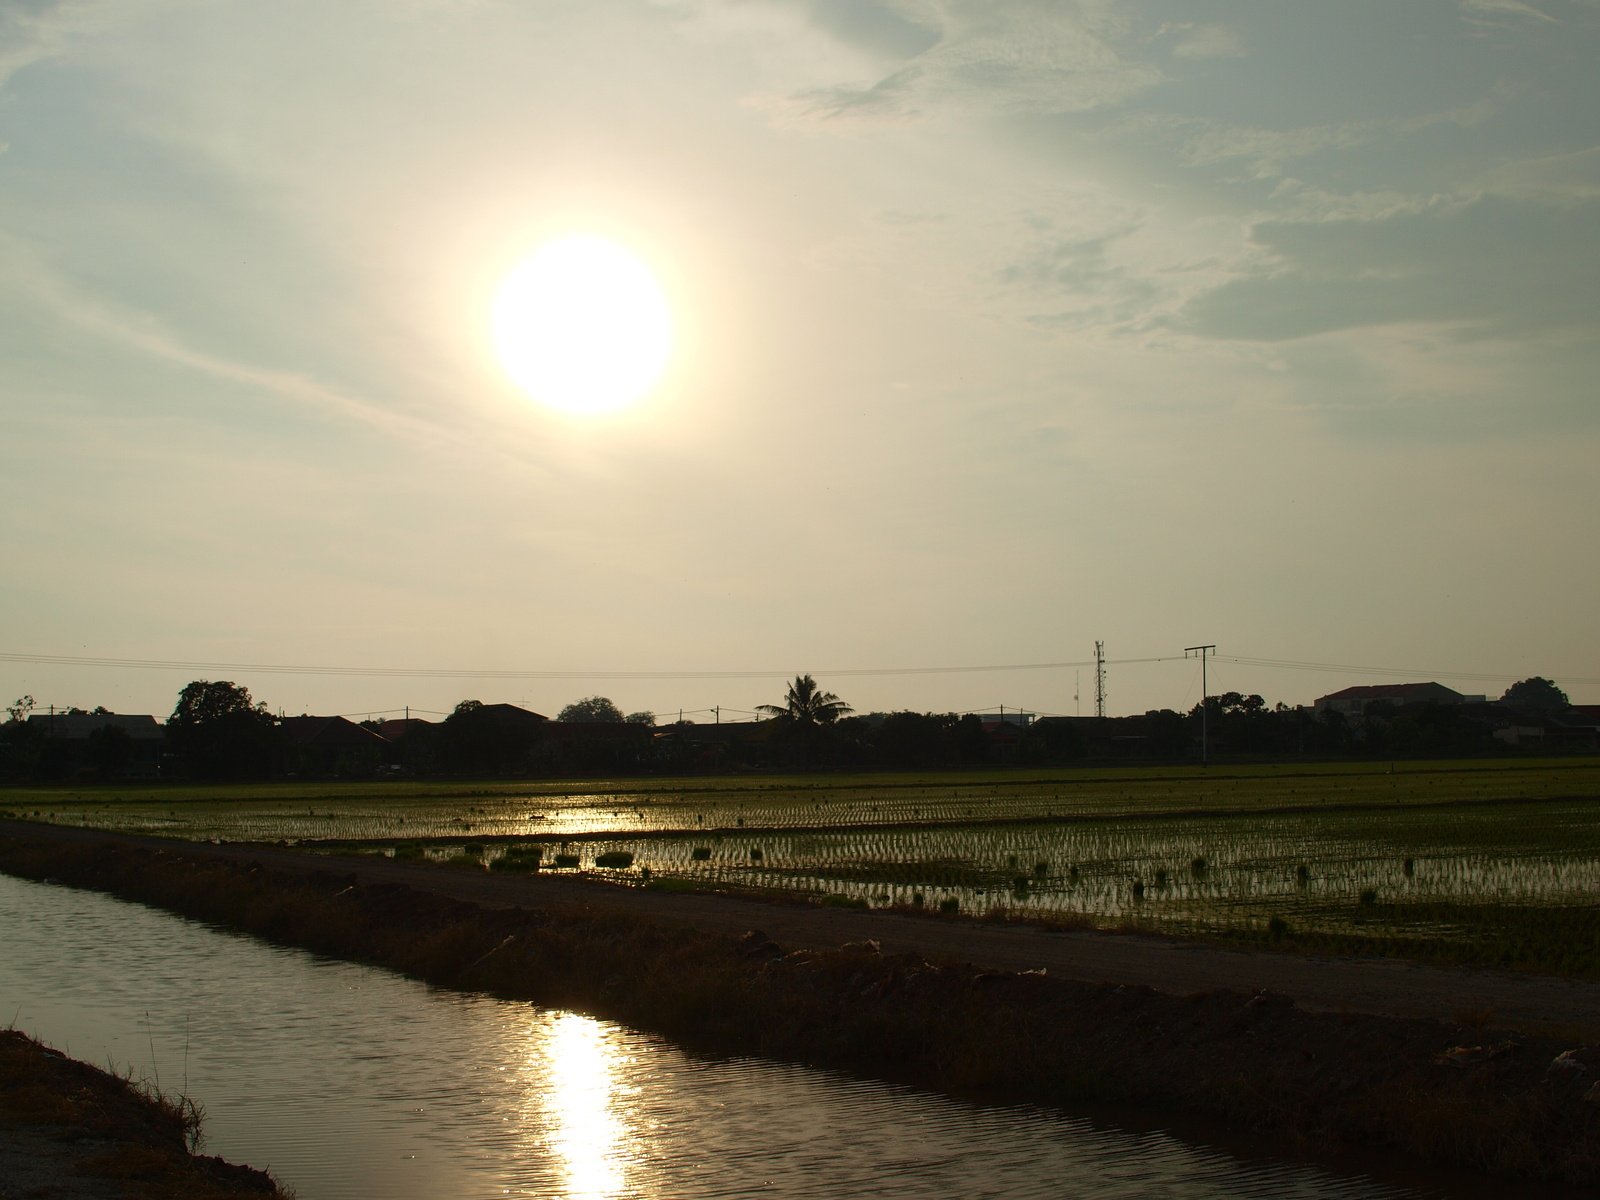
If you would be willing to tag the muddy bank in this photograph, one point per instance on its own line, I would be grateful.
(1458, 1096)
(70, 1131)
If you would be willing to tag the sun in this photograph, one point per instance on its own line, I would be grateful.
(583, 326)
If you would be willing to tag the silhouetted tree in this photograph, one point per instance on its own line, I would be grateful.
(1537, 695)
(22, 745)
(474, 743)
(592, 708)
(220, 732)
(805, 716)
(805, 704)
(1054, 741)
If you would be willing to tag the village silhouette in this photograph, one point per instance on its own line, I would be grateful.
(217, 730)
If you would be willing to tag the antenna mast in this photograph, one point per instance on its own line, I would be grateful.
(1099, 679)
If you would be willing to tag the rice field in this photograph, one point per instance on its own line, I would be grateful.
(1481, 862)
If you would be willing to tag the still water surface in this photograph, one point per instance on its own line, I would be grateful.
(347, 1082)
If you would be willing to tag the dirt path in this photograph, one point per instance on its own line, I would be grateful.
(1377, 986)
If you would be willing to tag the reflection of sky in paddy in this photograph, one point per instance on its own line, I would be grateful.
(1545, 853)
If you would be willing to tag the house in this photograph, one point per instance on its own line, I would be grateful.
(114, 745)
(322, 746)
(1577, 729)
(509, 716)
(596, 745)
(725, 745)
(399, 729)
(1354, 701)
(490, 739)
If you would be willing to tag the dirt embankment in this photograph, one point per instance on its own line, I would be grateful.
(900, 997)
(71, 1132)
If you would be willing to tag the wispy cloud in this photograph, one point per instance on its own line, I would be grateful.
(1267, 151)
(1204, 41)
(1005, 58)
(1491, 267)
(1503, 9)
(28, 272)
(34, 30)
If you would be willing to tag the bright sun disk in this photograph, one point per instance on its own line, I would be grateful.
(583, 326)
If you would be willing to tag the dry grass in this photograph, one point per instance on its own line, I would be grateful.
(110, 1127)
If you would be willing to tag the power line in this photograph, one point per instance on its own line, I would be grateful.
(69, 660)
(1277, 664)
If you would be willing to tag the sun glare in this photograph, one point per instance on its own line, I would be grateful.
(583, 326)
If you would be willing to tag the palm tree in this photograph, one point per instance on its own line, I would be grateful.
(805, 706)
(804, 717)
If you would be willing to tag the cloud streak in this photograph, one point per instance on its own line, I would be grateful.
(147, 336)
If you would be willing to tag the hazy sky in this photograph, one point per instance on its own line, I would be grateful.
(1000, 327)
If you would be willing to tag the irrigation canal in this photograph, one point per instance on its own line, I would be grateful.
(347, 1081)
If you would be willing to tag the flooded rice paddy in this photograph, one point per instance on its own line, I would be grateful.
(1373, 850)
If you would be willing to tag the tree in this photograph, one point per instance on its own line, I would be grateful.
(592, 708)
(19, 709)
(474, 743)
(807, 706)
(220, 731)
(805, 717)
(1537, 695)
(642, 717)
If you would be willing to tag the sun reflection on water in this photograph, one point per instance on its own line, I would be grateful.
(586, 1132)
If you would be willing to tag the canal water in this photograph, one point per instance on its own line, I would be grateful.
(346, 1081)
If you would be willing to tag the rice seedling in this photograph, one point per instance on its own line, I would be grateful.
(1300, 842)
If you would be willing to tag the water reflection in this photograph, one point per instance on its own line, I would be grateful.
(587, 1133)
(349, 1082)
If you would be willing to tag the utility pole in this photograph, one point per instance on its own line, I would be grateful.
(1099, 679)
(1203, 651)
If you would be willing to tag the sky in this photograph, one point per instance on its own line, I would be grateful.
(999, 329)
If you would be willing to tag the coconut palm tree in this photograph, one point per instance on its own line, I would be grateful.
(804, 717)
(807, 706)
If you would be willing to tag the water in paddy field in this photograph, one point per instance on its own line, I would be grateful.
(347, 1081)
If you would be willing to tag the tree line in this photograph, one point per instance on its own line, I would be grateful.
(217, 730)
